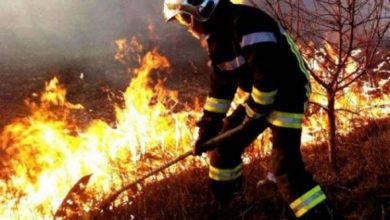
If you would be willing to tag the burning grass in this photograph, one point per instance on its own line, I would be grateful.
(47, 151)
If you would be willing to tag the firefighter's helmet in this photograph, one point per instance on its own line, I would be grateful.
(200, 10)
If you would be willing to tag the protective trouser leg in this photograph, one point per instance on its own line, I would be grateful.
(225, 170)
(299, 189)
(323, 211)
(225, 175)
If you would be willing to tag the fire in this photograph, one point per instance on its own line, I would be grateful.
(355, 103)
(48, 151)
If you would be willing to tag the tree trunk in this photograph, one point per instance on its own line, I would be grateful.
(331, 129)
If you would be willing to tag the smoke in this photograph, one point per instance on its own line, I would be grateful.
(33, 30)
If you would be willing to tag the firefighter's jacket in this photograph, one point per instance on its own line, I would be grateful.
(253, 52)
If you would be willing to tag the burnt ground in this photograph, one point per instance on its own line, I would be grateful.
(19, 83)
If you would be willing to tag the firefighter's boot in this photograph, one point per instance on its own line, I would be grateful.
(225, 193)
(323, 211)
(216, 211)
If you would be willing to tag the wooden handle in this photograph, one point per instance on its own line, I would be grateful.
(213, 141)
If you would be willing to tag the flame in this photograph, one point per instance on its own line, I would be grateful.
(48, 151)
(355, 104)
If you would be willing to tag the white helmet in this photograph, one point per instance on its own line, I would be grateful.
(200, 10)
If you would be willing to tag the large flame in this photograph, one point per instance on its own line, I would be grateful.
(47, 151)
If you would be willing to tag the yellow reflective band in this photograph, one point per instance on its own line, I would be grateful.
(251, 113)
(217, 105)
(307, 201)
(263, 98)
(285, 119)
(225, 174)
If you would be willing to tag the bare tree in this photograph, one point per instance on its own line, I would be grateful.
(344, 38)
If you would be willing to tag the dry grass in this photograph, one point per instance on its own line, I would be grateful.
(360, 189)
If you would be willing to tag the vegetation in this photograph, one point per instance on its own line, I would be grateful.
(360, 190)
(343, 44)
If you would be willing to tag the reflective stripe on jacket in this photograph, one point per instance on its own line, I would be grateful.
(254, 53)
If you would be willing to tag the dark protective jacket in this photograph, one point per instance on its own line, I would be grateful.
(248, 49)
(253, 52)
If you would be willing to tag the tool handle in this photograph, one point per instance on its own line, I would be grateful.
(213, 141)
(113, 196)
(156, 171)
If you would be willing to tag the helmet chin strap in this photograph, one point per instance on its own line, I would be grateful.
(195, 34)
(197, 29)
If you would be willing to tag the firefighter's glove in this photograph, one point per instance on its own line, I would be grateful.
(252, 127)
(200, 147)
(252, 119)
(250, 123)
(209, 127)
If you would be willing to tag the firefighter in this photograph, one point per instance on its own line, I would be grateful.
(251, 51)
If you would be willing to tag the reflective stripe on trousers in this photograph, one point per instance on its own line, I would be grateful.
(308, 201)
(286, 119)
(225, 174)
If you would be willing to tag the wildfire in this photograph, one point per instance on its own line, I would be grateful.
(354, 104)
(47, 151)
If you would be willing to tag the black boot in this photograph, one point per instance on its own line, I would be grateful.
(237, 208)
(323, 211)
(217, 211)
(225, 191)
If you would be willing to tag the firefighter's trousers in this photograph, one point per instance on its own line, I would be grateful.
(294, 182)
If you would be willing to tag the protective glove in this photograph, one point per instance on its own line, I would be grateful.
(209, 127)
(252, 127)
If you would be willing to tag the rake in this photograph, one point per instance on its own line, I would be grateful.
(80, 186)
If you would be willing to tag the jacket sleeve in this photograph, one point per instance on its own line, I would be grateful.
(222, 85)
(261, 49)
